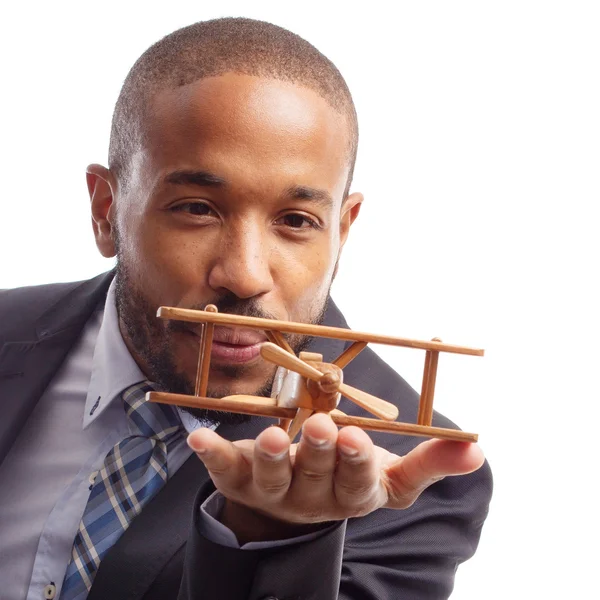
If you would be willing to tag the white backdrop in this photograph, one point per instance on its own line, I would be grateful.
(479, 158)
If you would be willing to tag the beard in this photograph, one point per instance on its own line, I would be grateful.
(149, 336)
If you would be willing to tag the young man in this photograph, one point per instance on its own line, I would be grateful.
(230, 165)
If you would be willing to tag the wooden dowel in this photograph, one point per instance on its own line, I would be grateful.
(206, 352)
(405, 428)
(249, 405)
(423, 396)
(349, 354)
(200, 360)
(199, 316)
(431, 387)
(271, 337)
(296, 426)
(285, 424)
(281, 341)
(425, 415)
(207, 338)
(337, 411)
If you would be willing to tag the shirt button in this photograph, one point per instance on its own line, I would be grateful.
(92, 477)
(50, 591)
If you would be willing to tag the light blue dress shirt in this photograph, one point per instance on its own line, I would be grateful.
(47, 476)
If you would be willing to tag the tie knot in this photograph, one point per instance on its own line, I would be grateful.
(149, 419)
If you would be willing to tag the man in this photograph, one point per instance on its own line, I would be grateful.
(230, 165)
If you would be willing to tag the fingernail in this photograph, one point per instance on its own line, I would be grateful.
(348, 451)
(271, 455)
(321, 443)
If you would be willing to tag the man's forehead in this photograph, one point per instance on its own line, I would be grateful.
(258, 124)
(236, 103)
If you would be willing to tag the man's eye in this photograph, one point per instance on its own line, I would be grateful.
(194, 208)
(297, 221)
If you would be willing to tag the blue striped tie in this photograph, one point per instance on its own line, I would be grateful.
(133, 472)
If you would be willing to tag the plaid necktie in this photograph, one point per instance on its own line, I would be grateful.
(133, 472)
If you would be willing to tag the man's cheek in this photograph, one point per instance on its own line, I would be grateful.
(184, 353)
(315, 284)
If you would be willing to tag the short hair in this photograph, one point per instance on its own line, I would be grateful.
(215, 47)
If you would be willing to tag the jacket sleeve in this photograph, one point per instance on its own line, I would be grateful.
(411, 554)
(308, 570)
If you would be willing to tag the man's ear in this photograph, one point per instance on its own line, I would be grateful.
(350, 210)
(101, 187)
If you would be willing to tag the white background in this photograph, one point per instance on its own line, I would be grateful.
(479, 158)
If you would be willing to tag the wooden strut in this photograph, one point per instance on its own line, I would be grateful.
(276, 338)
(325, 331)
(425, 414)
(200, 361)
(266, 407)
(204, 356)
(270, 336)
(281, 341)
(349, 354)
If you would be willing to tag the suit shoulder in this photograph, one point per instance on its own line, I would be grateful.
(34, 298)
(21, 307)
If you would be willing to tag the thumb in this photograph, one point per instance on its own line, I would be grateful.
(406, 478)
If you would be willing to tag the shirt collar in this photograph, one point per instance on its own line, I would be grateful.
(114, 370)
(113, 367)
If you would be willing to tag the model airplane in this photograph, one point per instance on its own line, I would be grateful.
(305, 384)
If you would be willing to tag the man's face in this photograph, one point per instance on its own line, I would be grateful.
(236, 200)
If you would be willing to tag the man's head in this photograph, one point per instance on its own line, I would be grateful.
(231, 155)
(213, 48)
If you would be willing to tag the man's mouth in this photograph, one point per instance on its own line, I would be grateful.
(233, 345)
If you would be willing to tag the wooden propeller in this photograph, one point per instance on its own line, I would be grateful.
(376, 406)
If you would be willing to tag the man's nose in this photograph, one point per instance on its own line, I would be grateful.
(242, 265)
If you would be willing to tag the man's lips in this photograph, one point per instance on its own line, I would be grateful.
(238, 337)
(233, 345)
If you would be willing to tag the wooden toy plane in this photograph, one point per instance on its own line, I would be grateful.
(306, 384)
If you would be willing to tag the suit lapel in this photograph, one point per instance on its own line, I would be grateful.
(28, 364)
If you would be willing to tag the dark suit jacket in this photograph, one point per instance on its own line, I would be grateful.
(410, 554)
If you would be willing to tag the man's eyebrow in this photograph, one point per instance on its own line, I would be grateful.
(207, 179)
(199, 178)
(302, 192)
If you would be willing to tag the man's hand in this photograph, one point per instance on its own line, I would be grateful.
(277, 490)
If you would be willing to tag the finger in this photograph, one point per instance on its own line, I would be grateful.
(314, 465)
(429, 462)
(224, 461)
(357, 475)
(271, 468)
